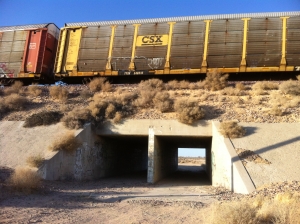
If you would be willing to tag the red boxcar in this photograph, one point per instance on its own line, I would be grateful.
(28, 51)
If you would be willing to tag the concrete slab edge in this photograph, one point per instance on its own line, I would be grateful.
(240, 180)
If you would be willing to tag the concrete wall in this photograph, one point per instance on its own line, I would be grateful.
(227, 169)
(80, 165)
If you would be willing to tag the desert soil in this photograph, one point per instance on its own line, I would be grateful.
(180, 198)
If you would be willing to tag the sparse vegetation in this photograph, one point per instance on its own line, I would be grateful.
(67, 142)
(188, 111)
(35, 161)
(42, 118)
(12, 102)
(276, 111)
(25, 180)
(14, 89)
(98, 84)
(283, 209)
(85, 94)
(163, 102)
(290, 87)
(76, 118)
(231, 129)
(34, 90)
(215, 81)
(59, 93)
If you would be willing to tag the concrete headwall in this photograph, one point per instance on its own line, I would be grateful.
(227, 169)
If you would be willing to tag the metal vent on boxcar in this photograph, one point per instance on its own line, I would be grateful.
(293, 41)
(122, 47)
(94, 48)
(264, 42)
(187, 45)
(293, 23)
(225, 43)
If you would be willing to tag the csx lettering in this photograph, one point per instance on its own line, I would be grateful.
(152, 39)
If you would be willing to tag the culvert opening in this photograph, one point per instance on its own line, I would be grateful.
(182, 160)
(124, 157)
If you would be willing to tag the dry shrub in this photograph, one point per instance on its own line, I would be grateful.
(151, 84)
(25, 180)
(85, 94)
(35, 161)
(298, 77)
(230, 91)
(231, 129)
(184, 84)
(12, 102)
(98, 107)
(188, 111)
(76, 118)
(277, 99)
(235, 212)
(15, 88)
(264, 85)
(58, 92)
(163, 102)
(34, 90)
(118, 117)
(42, 118)
(110, 111)
(145, 98)
(290, 87)
(173, 84)
(284, 208)
(98, 84)
(294, 102)
(276, 111)
(215, 81)
(127, 98)
(240, 86)
(67, 142)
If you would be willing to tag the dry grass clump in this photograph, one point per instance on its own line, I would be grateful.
(240, 86)
(25, 180)
(145, 98)
(284, 208)
(66, 142)
(173, 84)
(76, 118)
(42, 118)
(215, 81)
(15, 88)
(231, 129)
(118, 117)
(276, 111)
(298, 77)
(98, 84)
(230, 91)
(35, 161)
(290, 87)
(58, 92)
(12, 102)
(163, 102)
(34, 90)
(188, 111)
(151, 84)
(264, 85)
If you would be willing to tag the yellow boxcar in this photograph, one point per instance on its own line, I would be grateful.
(253, 42)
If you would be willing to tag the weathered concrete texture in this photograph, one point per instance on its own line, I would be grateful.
(161, 127)
(18, 143)
(277, 143)
(227, 169)
(82, 164)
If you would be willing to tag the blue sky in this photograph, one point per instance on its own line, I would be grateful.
(21, 12)
(189, 152)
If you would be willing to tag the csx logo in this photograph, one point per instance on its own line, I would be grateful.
(152, 39)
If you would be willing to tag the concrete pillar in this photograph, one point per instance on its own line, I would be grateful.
(162, 158)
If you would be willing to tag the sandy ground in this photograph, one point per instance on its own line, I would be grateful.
(179, 198)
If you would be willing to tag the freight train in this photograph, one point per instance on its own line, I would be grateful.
(229, 43)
